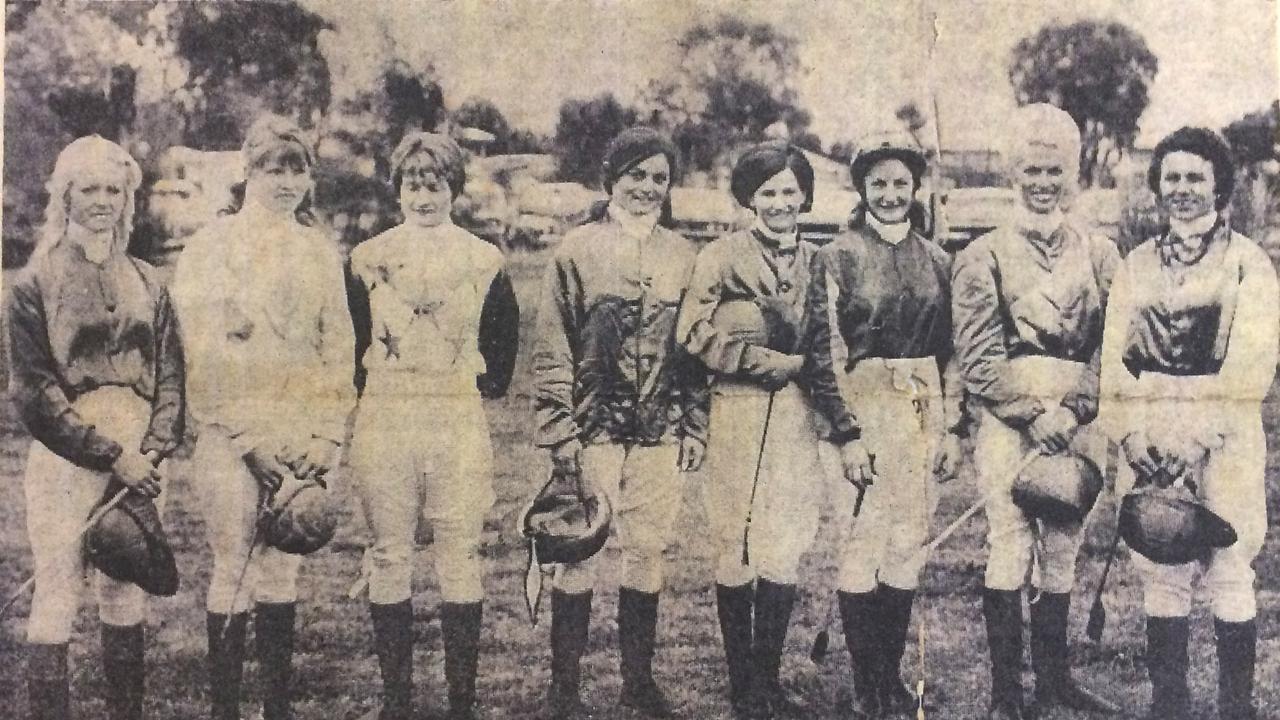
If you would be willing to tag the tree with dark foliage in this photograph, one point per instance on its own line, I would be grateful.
(1099, 72)
(584, 130)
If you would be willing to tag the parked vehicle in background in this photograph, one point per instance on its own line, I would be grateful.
(484, 210)
(966, 214)
(544, 211)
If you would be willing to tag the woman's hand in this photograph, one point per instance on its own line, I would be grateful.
(858, 464)
(692, 453)
(1181, 455)
(566, 457)
(266, 469)
(1052, 430)
(312, 461)
(138, 472)
(946, 461)
(1140, 455)
(776, 369)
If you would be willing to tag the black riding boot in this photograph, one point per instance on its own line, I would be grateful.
(895, 618)
(570, 620)
(393, 642)
(860, 616)
(733, 604)
(1002, 610)
(124, 670)
(637, 635)
(226, 663)
(1051, 659)
(48, 684)
(774, 602)
(1237, 653)
(460, 625)
(1167, 667)
(273, 639)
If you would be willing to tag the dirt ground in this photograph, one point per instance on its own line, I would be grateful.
(336, 672)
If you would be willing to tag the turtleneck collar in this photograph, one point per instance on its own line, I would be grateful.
(95, 245)
(636, 226)
(1191, 229)
(893, 233)
(1042, 224)
(781, 241)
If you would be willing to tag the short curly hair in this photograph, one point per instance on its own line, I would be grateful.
(1204, 143)
(446, 159)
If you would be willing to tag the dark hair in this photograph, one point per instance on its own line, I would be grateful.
(761, 162)
(632, 147)
(1204, 143)
(862, 165)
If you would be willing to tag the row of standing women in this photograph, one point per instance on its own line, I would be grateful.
(764, 355)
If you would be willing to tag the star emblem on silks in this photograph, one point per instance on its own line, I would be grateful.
(391, 342)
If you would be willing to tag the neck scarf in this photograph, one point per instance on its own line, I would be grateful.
(96, 245)
(635, 226)
(783, 241)
(1187, 241)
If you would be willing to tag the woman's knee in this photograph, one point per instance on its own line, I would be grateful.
(120, 603)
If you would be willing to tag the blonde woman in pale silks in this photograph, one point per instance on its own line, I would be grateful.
(98, 380)
(1029, 301)
(261, 299)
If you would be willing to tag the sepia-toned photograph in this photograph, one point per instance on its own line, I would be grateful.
(609, 359)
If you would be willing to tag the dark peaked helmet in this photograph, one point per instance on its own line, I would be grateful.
(128, 544)
(1171, 526)
(301, 518)
(566, 523)
(1058, 488)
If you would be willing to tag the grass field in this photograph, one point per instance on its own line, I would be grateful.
(336, 672)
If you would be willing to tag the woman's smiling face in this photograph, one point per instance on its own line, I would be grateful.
(95, 199)
(425, 197)
(642, 189)
(1187, 186)
(280, 181)
(1041, 178)
(777, 202)
(888, 190)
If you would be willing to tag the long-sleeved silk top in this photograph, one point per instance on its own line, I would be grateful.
(76, 325)
(1215, 320)
(1016, 293)
(435, 301)
(885, 300)
(263, 309)
(745, 265)
(607, 364)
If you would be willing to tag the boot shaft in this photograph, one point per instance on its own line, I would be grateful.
(860, 619)
(1049, 651)
(460, 625)
(393, 643)
(48, 682)
(1002, 610)
(273, 639)
(773, 605)
(733, 606)
(570, 620)
(1237, 656)
(1167, 662)
(123, 668)
(637, 633)
(226, 663)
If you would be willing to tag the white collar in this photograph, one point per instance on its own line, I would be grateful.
(1191, 229)
(890, 233)
(1042, 224)
(636, 226)
(783, 241)
(96, 245)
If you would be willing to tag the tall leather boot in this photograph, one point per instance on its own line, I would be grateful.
(860, 618)
(393, 643)
(733, 605)
(273, 638)
(1002, 610)
(460, 625)
(48, 684)
(637, 635)
(774, 602)
(895, 618)
(124, 670)
(226, 663)
(1167, 667)
(1237, 653)
(570, 620)
(1051, 659)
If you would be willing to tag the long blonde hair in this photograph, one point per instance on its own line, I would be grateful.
(82, 153)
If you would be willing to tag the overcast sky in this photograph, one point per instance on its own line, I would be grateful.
(862, 59)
